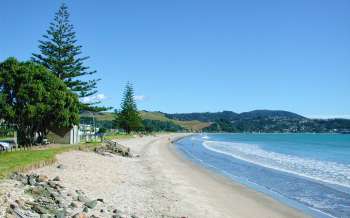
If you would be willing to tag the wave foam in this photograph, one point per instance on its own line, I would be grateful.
(325, 171)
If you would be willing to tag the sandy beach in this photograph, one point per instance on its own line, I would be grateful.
(161, 183)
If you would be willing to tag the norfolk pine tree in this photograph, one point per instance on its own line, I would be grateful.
(128, 118)
(60, 55)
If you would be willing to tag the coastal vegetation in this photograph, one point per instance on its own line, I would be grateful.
(160, 126)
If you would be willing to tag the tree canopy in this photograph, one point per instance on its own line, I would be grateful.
(33, 100)
(128, 118)
(60, 55)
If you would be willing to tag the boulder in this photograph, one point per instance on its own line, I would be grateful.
(60, 214)
(100, 200)
(39, 209)
(57, 178)
(83, 198)
(31, 180)
(91, 204)
(42, 178)
(73, 205)
(51, 184)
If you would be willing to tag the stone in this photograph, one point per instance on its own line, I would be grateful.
(91, 204)
(100, 200)
(60, 166)
(83, 198)
(86, 210)
(51, 184)
(57, 178)
(80, 215)
(60, 203)
(115, 211)
(44, 216)
(73, 205)
(31, 180)
(42, 178)
(39, 209)
(13, 206)
(37, 191)
(60, 214)
(20, 203)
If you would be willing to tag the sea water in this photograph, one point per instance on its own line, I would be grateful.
(310, 172)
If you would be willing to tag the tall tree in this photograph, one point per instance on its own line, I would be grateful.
(60, 54)
(128, 118)
(33, 100)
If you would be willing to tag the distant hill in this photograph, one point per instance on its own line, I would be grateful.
(106, 118)
(228, 121)
(204, 117)
(270, 114)
(232, 116)
(190, 124)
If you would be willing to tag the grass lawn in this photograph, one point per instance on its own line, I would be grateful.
(26, 159)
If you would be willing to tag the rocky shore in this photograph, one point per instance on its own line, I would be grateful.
(37, 196)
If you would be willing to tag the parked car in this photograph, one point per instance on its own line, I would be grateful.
(4, 146)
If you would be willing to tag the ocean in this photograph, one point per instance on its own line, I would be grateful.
(310, 172)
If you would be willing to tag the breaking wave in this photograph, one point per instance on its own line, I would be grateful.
(324, 171)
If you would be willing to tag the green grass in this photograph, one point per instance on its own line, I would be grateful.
(194, 125)
(27, 159)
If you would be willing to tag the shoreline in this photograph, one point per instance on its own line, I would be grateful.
(280, 208)
(158, 183)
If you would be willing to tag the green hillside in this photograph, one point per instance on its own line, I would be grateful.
(193, 125)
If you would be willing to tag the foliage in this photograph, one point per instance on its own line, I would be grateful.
(128, 118)
(232, 116)
(6, 131)
(33, 100)
(204, 117)
(60, 54)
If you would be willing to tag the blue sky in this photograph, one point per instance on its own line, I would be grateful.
(197, 55)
